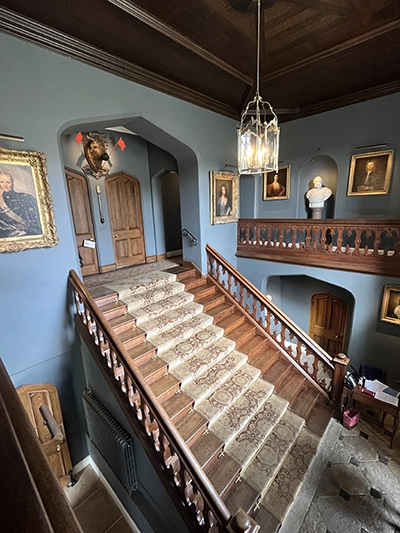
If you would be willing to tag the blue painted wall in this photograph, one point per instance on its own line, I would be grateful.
(43, 97)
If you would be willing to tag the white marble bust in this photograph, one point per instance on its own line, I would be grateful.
(318, 194)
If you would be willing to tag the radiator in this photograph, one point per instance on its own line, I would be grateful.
(111, 440)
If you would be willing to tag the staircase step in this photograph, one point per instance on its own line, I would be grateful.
(168, 320)
(132, 337)
(305, 402)
(122, 323)
(191, 283)
(231, 322)
(210, 301)
(103, 295)
(178, 406)
(182, 272)
(278, 372)
(291, 386)
(181, 332)
(202, 361)
(268, 522)
(192, 427)
(266, 358)
(291, 475)
(223, 473)
(241, 494)
(153, 369)
(201, 387)
(206, 448)
(184, 352)
(237, 416)
(225, 395)
(247, 443)
(201, 291)
(163, 310)
(268, 460)
(254, 346)
(165, 387)
(221, 311)
(319, 418)
(153, 295)
(143, 283)
(142, 352)
(242, 334)
(114, 309)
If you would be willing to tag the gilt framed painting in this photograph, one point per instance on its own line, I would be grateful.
(390, 310)
(224, 201)
(26, 207)
(370, 173)
(276, 185)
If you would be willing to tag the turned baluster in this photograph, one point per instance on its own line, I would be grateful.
(357, 242)
(339, 240)
(193, 497)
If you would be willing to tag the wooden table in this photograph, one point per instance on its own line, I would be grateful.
(348, 396)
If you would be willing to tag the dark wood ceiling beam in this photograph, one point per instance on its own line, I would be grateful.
(154, 23)
(326, 7)
(29, 30)
(326, 54)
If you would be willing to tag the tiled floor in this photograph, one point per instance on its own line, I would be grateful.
(354, 484)
(95, 509)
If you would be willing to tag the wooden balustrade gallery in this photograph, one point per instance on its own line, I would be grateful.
(369, 246)
(188, 486)
(326, 373)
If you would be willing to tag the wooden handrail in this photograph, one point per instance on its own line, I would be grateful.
(369, 246)
(31, 499)
(191, 484)
(265, 315)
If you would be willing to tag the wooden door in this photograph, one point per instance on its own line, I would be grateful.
(33, 398)
(83, 222)
(125, 210)
(328, 319)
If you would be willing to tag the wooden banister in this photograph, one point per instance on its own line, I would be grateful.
(326, 374)
(368, 246)
(194, 495)
(31, 498)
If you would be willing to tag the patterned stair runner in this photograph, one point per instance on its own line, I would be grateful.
(266, 440)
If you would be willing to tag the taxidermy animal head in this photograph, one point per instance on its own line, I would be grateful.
(95, 149)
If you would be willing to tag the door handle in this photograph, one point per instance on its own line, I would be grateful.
(115, 236)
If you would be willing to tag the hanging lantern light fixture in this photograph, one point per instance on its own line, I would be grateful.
(258, 140)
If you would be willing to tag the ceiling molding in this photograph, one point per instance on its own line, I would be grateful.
(335, 50)
(154, 23)
(343, 101)
(56, 41)
(326, 7)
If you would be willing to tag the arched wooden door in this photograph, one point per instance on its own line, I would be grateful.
(328, 320)
(125, 210)
(78, 191)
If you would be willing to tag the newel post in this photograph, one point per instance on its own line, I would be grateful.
(339, 373)
(241, 522)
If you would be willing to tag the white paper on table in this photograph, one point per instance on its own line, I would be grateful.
(378, 387)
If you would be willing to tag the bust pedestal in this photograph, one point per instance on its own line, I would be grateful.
(316, 212)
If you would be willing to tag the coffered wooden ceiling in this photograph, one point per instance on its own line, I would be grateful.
(316, 54)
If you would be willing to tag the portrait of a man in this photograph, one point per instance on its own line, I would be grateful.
(26, 206)
(390, 311)
(19, 213)
(370, 173)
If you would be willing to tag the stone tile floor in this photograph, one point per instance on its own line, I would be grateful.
(353, 485)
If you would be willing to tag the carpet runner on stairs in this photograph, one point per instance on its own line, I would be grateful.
(261, 438)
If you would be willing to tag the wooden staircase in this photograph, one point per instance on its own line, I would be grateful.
(222, 469)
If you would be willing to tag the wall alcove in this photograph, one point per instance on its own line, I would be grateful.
(326, 167)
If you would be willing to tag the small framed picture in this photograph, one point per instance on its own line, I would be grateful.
(276, 185)
(390, 311)
(224, 201)
(370, 173)
(26, 207)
